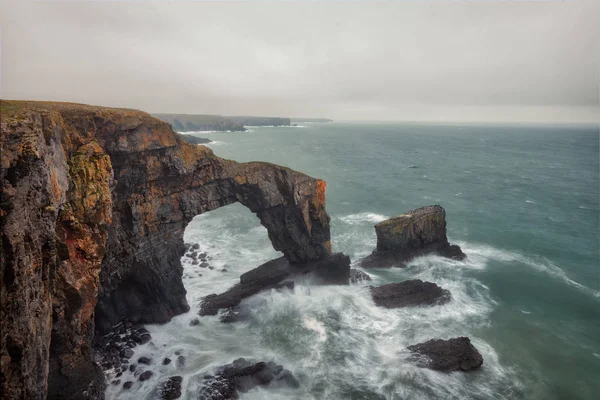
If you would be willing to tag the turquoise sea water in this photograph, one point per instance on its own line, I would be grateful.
(522, 202)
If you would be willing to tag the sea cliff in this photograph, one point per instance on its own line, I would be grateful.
(93, 205)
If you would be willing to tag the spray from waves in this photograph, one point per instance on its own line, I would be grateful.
(215, 143)
(362, 218)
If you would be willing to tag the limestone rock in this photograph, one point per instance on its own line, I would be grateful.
(409, 235)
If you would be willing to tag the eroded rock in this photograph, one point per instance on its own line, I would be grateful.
(409, 293)
(456, 354)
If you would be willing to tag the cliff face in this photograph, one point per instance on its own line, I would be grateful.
(94, 203)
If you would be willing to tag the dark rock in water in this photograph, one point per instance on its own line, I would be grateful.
(332, 270)
(195, 246)
(127, 353)
(116, 382)
(409, 235)
(171, 389)
(409, 293)
(146, 375)
(194, 322)
(242, 376)
(203, 265)
(456, 354)
(195, 262)
(145, 338)
(145, 360)
(127, 385)
(180, 361)
(357, 275)
(194, 255)
(132, 367)
(166, 361)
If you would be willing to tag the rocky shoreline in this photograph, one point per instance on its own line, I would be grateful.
(94, 203)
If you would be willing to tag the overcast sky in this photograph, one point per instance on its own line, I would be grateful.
(361, 60)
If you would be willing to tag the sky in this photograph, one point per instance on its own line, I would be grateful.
(473, 61)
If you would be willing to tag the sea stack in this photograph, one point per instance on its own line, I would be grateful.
(409, 235)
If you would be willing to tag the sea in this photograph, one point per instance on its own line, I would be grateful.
(522, 201)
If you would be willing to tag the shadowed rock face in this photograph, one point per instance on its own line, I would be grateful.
(409, 235)
(456, 354)
(409, 293)
(94, 202)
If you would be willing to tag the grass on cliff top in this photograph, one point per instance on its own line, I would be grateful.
(16, 109)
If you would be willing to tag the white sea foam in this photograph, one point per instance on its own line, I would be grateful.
(364, 217)
(215, 143)
(328, 336)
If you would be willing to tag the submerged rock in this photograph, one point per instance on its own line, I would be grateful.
(409, 293)
(146, 375)
(242, 376)
(409, 235)
(456, 354)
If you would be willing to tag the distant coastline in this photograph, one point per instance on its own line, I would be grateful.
(219, 123)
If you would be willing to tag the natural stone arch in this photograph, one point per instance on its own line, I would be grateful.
(187, 181)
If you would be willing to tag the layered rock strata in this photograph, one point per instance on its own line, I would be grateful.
(93, 205)
(409, 235)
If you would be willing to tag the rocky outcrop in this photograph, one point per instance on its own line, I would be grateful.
(456, 354)
(274, 274)
(243, 375)
(409, 293)
(94, 202)
(409, 235)
(194, 122)
(193, 139)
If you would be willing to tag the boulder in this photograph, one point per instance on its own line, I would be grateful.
(171, 389)
(456, 354)
(409, 235)
(409, 293)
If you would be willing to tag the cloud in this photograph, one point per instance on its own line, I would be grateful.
(535, 61)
